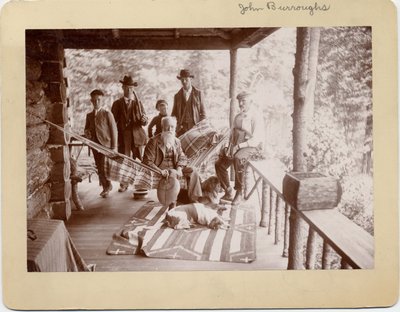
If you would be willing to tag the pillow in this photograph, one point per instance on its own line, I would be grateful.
(195, 139)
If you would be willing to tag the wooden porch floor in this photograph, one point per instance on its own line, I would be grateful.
(92, 230)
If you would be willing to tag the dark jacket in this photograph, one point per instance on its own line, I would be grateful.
(133, 120)
(154, 153)
(156, 121)
(195, 105)
(103, 127)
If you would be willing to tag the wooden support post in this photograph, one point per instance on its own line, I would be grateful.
(232, 94)
(326, 256)
(344, 265)
(311, 253)
(286, 232)
(247, 179)
(278, 214)
(296, 241)
(265, 204)
(272, 208)
(232, 84)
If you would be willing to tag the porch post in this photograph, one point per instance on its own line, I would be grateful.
(232, 84)
(304, 72)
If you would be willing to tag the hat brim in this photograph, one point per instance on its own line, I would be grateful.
(134, 84)
(179, 77)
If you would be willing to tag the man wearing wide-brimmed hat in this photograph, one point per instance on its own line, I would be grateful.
(246, 143)
(188, 104)
(100, 127)
(130, 117)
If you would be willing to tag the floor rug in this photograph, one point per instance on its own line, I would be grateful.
(145, 233)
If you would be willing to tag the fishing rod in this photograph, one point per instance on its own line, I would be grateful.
(102, 149)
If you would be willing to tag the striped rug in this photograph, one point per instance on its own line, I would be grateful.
(144, 233)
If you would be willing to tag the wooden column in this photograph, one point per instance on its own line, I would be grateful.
(278, 214)
(327, 256)
(272, 210)
(306, 60)
(232, 84)
(311, 253)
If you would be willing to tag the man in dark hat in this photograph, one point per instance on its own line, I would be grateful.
(188, 104)
(130, 117)
(162, 107)
(100, 127)
(246, 143)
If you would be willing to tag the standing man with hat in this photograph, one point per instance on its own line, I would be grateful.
(100, 127)
(130, 117)
(188, 104)
(245, 143)
(162, 107)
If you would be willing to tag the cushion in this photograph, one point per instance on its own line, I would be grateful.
(198, 137)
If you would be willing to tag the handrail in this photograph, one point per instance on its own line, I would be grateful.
(352, 243)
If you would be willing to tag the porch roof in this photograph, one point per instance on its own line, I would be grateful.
(158, 39)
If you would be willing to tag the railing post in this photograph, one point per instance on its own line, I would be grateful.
(265, 204)
(272, 202)
(326, 256)
(296, 242)
(278, 212)
(286, 232)
(311, 253)
(344, 265)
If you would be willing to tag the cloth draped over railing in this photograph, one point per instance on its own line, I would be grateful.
(202, 142)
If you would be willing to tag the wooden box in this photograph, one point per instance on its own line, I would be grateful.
(309, 191)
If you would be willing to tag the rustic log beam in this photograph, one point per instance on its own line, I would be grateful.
(60, 191)
(38, 201)
(232, 85)
(61, 209)
(36, 136)
(58, 137)
(311, 253)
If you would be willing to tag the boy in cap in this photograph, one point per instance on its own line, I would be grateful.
(245, 143)
(130, 117)
(161, 106)
(100, 127)
(188, 104)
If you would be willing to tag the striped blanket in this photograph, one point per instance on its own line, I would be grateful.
(145, 233)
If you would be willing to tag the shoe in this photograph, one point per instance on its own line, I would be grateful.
(122, 188)
(105, 193)
(238, 198)
(228, 195)
(106, 190)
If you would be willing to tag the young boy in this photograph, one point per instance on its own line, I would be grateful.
(162, 107)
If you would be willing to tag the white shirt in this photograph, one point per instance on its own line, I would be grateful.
(187, 93)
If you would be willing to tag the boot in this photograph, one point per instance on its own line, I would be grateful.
(238, 198)
(228, 195)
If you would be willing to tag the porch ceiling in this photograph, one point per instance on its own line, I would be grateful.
(157, 39)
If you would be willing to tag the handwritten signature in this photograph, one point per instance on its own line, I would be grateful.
(274, 6)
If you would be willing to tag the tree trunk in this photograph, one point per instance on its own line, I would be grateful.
(303, 97)
(232, 84)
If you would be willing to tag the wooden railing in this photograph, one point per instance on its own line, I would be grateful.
(321, 238)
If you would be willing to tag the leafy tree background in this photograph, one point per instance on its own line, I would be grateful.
(341, 135)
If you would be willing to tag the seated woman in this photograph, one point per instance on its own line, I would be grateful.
(162, 107)
(164, 152)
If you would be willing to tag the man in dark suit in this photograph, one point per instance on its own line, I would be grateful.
(100, 127)
(130, 117)
(188, 104)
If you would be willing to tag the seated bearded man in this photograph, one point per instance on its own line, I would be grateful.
(164, 152)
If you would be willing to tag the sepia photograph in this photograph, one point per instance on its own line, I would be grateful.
(199, 149)
(211, 154)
